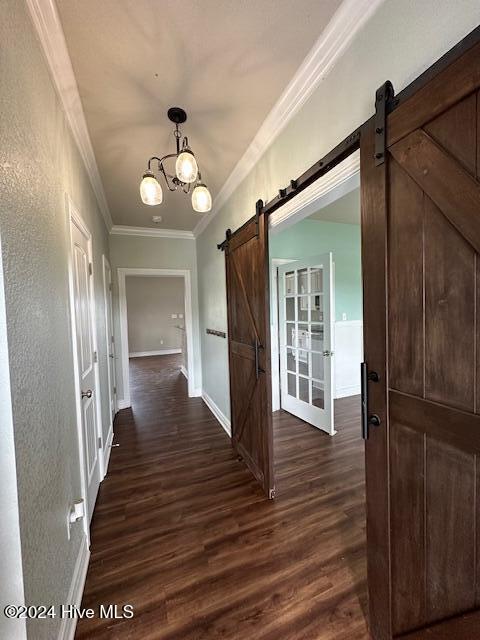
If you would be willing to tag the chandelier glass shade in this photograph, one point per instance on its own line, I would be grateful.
(186, 167)
(150, 189)
(186, 177)
(201, 199)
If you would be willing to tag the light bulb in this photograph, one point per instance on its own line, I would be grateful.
(186, 167)
(201, 199)
(150, 190)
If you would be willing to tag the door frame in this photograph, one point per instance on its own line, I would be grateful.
(107, 293)
(122, 273)
(74, 218)
(343, 179)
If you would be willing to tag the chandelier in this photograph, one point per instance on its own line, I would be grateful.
(187, 175)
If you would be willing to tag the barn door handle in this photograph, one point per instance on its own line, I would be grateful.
(258, 370)
(367, 419)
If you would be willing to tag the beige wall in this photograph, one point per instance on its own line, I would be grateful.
(400, 41)
(39, 165)
(151, 301)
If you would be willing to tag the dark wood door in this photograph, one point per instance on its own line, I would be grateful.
(246, 256)
(421, 269)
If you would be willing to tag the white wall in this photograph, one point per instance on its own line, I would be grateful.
(142, 252)
(348, 354)
(151, 302)
(400, 41)
(39, 164)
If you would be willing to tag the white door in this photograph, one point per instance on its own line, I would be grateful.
(82, 299)
(107, 284)
(305, 340)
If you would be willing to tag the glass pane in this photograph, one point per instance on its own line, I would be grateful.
(317, 366)
(317, 395)
(302, 281)
(316, 337)
(303, 389)
(290, 331)
(303, 362)
(316, 280)
(290, 283)
(302, 308)
(292, 385)
(290, 308)
(316, 308)
(291, 360)
(303, 337)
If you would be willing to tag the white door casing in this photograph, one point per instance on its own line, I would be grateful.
(306, 327)
(85, 367)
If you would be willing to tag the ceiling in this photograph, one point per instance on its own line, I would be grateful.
(345, 209)
(225, 62)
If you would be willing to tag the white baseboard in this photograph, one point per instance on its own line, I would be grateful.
(184, 371)
(124, 404)
(68, 625)
(196, 393)
(107, 450)
(345, 392)
(160, 352)
(219, 415)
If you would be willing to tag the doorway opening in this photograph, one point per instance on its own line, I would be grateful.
(316, 307)
(156, 321)
(316, 321)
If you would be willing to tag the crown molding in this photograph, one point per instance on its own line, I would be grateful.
(146, 232)
(47, 23)
(347, 21)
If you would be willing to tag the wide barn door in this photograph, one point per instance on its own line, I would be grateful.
(421, 245)
(246, 256)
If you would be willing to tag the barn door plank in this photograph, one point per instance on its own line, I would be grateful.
(444, 180)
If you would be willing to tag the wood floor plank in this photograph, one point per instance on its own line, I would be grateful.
(183, 532)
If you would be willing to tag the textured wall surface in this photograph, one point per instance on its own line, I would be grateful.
(150, 305)
(137, 252)
(400, 41)
(39, 164)
(314, 237)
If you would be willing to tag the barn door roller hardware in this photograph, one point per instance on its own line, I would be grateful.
(384, 99)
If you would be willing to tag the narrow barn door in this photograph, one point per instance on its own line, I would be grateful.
(247, 271)
(421, 270)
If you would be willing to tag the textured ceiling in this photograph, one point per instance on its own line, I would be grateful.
(346, 209)
(226, 62)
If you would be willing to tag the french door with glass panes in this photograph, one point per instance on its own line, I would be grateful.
(306, 335)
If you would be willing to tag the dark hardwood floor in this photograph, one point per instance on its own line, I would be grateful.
(183, 533)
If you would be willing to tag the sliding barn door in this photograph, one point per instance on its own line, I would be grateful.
(247, 270)
(421, 269)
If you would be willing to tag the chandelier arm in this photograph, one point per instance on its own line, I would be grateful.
(166, 176)
(149, 165)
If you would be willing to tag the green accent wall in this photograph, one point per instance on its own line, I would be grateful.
(315, 237)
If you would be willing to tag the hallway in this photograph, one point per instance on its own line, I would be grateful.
(182, 532)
